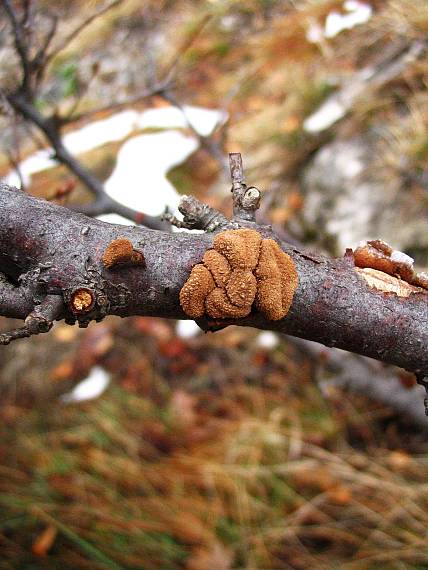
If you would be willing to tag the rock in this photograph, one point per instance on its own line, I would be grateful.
(351, 196)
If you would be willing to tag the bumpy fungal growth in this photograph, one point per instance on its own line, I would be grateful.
(276, 281)
(121, 252)
(195, 291)
(240, 247)
(218, 265)
(241, 270)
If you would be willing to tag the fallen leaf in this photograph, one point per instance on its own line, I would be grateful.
(44, 541)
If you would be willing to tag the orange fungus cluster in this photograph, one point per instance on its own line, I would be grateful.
(241, 270)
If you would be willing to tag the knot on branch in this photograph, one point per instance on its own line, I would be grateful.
(121, 252)
(241, 270)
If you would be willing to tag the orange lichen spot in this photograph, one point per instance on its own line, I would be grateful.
(194, 292)
(276, 281)
(218, 306)
(121, 252)
(218, 265)
(244, 269)
(82, 300)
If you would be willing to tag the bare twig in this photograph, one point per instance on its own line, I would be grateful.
(20, 45)
(197, 216)
(40, 320)
(40, 57)
(65, 42)
(245, 200)
(364, 376)
(157, 89)
(103, 203)
(207, 142)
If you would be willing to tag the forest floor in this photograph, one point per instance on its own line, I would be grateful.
(208, 452)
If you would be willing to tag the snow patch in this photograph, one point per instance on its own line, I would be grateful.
(329, 112)
(187, 329)
(267, 340)
(139, 178)
(88, 389)
(358, 13)
(158, 151)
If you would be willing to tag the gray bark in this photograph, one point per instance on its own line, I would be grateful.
(48, 251)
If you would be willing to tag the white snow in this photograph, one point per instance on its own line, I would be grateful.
(187, 329)
(329, 112)
(315, 33)
(358, 13)
(204, 121)
(139, 178)
(267, 340)
(90, 388)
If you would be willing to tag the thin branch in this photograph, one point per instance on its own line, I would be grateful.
(171, 68)
(40, 320)
(157, 89)
(39, 60)
(20, 44)
(197, 216)
(207, 142)
(364, 376)
(79, 29)
(15, 302)
(103, 203)
(245, 200)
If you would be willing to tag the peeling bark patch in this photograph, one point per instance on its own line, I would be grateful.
(241, 270)
(121, 252)
(378, 255)
(387, 283)
(82, 300)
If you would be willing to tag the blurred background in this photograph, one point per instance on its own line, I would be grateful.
(145, 443)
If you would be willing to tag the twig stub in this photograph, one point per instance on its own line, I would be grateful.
(245, 200)
(82, 300)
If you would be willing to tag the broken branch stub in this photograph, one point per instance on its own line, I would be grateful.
(245, 200)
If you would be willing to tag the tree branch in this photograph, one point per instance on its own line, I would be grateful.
(22, 102)
(103, 203)
(48, 249)
(20, 44)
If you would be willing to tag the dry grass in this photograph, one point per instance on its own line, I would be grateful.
(167, 470)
